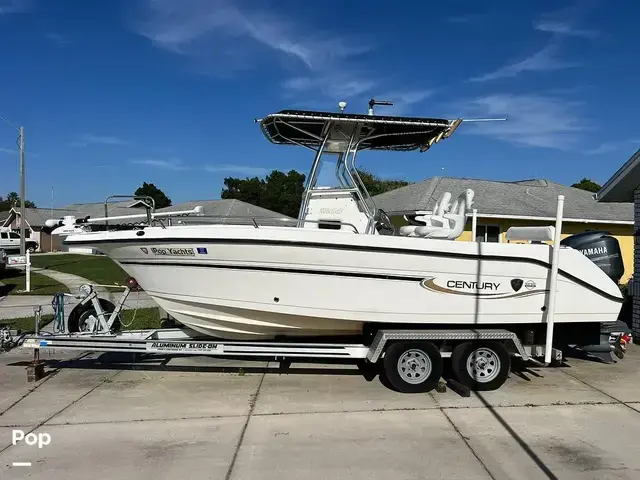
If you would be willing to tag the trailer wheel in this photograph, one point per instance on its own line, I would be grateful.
(481, 366)
(412, 367)
(80, 314)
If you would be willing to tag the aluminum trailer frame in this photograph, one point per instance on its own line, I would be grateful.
(187, 342)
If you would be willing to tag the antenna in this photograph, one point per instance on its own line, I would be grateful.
(342, 106)
(373, 102)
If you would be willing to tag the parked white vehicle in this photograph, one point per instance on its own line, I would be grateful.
(3, 261)
(10, 241)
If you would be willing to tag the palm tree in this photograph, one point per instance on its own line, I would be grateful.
(13, 198)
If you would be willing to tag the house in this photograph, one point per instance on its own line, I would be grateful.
(35, 225)
(624, 186)
(36, 217)
(501, 205)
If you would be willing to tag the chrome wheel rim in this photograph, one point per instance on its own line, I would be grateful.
(483, 365)
(414, 366)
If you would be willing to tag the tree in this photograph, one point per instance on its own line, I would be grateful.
(282, 192)
(588, 185)
(376, 186)
(13, 200)
(150, 190)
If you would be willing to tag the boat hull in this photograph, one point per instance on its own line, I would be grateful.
(239, 282)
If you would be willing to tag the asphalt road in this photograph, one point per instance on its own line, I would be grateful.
(202, 418)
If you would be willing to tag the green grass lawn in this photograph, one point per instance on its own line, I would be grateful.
(143, 318)
(13, 282)
(25, 324)
(97, 268)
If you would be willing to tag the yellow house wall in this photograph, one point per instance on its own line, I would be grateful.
(623, 233)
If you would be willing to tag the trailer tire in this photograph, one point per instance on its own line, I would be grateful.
(412, 367)
(489, 360)
(81, 312)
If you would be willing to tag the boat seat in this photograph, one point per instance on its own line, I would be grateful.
(436, 219)
(454, 220)
(414, 221)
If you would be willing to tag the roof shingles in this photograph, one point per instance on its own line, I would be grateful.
(528, 198)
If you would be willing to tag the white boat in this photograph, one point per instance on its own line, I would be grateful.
(342, 268)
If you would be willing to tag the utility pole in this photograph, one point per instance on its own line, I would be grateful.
(51, 236)
(22, 194)
(22, 188)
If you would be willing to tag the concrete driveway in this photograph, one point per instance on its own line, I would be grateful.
(202, 418)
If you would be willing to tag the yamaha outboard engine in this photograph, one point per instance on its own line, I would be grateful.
(602, 249)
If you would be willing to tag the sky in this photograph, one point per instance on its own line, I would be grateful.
(116, 93)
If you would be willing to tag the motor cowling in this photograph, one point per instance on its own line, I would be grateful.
(602, 249)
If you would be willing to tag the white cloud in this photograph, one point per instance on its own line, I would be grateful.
(14, 6)
(608, 147)
(223, 37)
(241, 169)
(171, 164)
(542, 61)
(8, 151)
(225, 28)
(57, 38)
(90, 139)
(532, 120)
(559, 24)
(563, 22)
(563, 28)
(337, 86)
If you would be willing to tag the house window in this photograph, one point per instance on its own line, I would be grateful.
(487, 233)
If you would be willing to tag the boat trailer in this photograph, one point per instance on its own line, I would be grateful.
(403, 346)
(97, 335)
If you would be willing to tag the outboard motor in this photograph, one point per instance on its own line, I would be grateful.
(602, 249)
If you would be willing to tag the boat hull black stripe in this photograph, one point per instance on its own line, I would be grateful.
(282, 270)
(325, 246)
(358, 275)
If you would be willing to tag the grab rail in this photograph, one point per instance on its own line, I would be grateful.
(255, 220)
(150, 207)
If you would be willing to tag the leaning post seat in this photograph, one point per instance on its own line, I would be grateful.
(436, 219)
(453, 221)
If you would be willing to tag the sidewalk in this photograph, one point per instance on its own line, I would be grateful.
(73, 282)
(16, 306)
